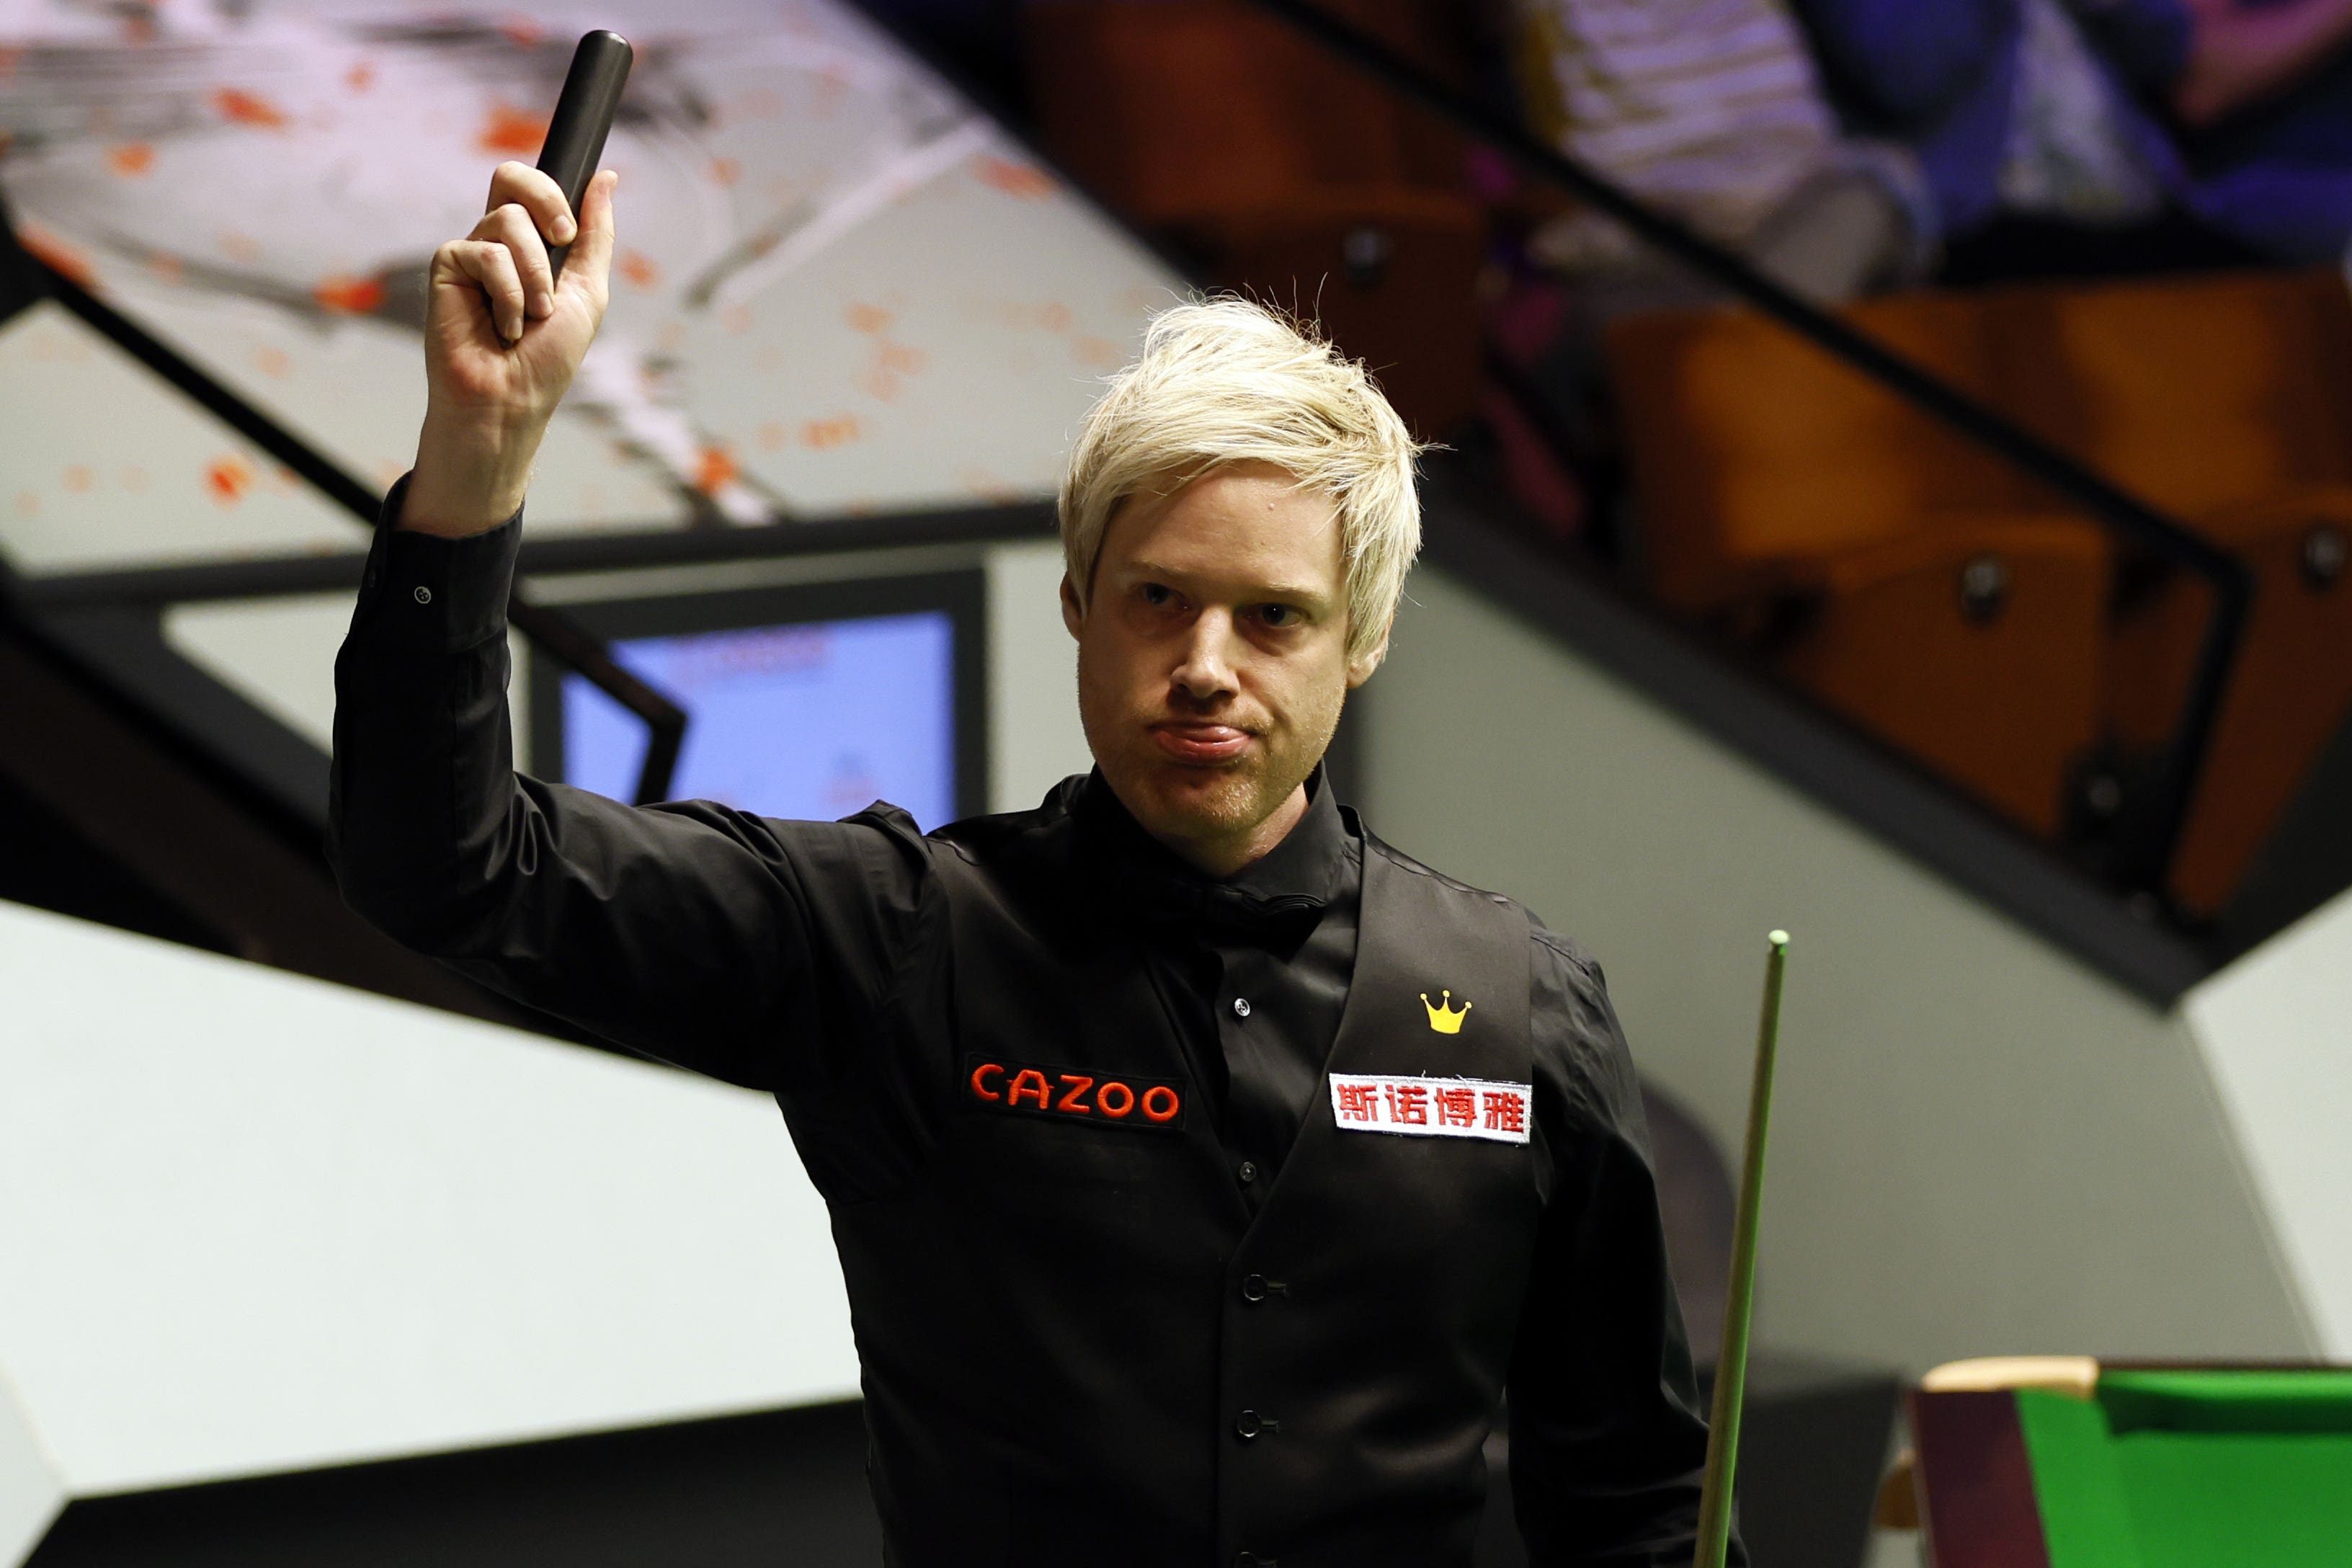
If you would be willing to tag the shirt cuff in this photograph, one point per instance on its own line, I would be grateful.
(447, 594)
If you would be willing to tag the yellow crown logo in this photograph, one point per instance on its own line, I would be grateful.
(1444, 1017)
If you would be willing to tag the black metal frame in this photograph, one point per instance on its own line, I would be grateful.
(559, 635)
(273, 576)
(961, 595)
(2151, 827)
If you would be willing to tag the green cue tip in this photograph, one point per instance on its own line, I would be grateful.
(1740, 1305)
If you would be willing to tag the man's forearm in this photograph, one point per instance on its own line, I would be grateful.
(470, 475)
(422, 757)
(434, 838)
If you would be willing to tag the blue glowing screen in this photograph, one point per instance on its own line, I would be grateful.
(812, 721)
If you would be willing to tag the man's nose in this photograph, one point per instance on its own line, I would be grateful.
(1206, 669)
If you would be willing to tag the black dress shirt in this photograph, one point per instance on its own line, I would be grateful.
(810, 960)
(1258, 964)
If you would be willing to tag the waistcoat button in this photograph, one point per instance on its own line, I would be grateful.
(1241, 1007)
(1247, 1173)
(1248, 1427)
(1253, 1287)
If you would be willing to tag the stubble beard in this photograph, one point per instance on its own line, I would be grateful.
(1213, 805)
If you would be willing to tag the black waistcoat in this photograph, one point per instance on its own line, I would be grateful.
(1081, 1349)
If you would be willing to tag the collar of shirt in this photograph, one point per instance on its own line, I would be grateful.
(1274, 903)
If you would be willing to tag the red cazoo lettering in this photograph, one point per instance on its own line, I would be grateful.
(1032, 1090)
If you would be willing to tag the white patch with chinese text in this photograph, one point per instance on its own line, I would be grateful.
(1432, 1106)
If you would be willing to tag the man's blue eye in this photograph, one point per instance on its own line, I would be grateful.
(1279, 615)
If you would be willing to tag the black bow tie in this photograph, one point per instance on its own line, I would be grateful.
(1169, 901)
(1139, 880)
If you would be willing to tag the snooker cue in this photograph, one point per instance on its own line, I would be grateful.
(1738, 1307)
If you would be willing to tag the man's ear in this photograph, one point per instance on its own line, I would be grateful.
(1359, 670)
(1074, 614)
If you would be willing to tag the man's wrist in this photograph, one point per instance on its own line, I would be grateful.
(443, 593)
(470, 474)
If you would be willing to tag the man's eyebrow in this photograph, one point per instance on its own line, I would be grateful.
(1302, 595)
(1299, 592)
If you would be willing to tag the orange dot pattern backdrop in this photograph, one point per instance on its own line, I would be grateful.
(839, 289)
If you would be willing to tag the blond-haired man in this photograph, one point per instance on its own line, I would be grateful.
(1203, 1171)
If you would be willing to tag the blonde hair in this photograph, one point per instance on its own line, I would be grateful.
(1227, 381)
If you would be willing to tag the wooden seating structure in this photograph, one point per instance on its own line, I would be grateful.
(1909, 580)
(1765, 470)
(2226, 401)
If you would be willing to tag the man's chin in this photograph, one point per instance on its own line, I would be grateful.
(1199, 803)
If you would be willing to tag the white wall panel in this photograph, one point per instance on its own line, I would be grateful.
(254, 1222)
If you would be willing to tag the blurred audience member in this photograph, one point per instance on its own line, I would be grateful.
(2040, 155)
(2263, 91)
(1711, 109)
(2034, 119)
(2238, 53)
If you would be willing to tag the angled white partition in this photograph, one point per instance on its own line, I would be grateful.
(2275, 1028)
(255, 1222)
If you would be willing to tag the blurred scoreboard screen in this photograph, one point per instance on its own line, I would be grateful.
(787, 715)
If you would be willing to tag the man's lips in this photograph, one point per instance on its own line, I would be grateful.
(1201, 743)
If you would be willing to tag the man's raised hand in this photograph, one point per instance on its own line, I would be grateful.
(503, 337)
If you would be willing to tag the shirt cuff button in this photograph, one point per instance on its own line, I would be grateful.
(424, 594)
